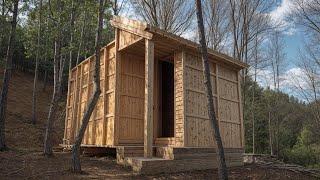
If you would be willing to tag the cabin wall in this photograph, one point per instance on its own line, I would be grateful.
(179, 101)
(100, 126)
(198, 129)
(131, 113)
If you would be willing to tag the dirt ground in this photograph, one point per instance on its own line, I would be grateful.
(33, 165)
(25, 141)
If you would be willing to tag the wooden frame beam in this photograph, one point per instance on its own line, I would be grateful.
(148, 99)
(132, 26)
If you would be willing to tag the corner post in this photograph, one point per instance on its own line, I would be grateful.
(148, 98)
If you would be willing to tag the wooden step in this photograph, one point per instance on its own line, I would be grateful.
(142, 165)
(175, 159)
(123, 152)
(189, 153)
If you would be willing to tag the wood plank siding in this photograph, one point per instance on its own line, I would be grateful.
(129, 110)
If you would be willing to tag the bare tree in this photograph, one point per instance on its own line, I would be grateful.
(7, 75)
(172, 16)
(277, 58)
(223, 173)
(258, 61)
(307, 14)
(247, 18)
(35, 80)
(117, 6)
(307, 83)
(76, 166)
(217, 22)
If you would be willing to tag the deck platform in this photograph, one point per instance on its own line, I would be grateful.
(175, 159)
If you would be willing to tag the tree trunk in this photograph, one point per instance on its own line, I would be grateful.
(45, 78)
(76, 166)
(253, 123)
(7, 76)
(35, 80)
(56, 90)
(62, 63)
(278, 137)
(82, 34)
(71, 35)
(270, 134)
(223, 173)
(253, 92)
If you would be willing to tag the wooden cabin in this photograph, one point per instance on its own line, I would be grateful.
(152, 107)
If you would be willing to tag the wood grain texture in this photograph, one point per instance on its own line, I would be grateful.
(226, 102)
(98, 131)
(148, 100)
(129, 107)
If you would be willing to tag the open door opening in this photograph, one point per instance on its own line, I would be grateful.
(167, 99)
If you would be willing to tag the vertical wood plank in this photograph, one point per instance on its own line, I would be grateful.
(74, 108)
(86, 135)
(184, 98)
(218, 96)
(67, 110)
(79, 101)
(117, 89)
(156, 100)
(148, 101)
(104, 91)
(241, 112)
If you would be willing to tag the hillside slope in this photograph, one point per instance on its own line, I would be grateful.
(20, 133)
(24, 160)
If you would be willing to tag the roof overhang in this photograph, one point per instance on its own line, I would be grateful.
(170, 40)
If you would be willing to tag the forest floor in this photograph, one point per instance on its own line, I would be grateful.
(24, 159)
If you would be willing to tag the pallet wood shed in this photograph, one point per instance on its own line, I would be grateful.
(152, 107)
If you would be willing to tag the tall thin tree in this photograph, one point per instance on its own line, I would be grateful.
(72, 19)
(7, 75)
(76, 166)
(82, 34)
(57, 63)
(223, 173)
(35, 80)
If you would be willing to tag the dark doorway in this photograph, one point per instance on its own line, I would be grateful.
(167, 96)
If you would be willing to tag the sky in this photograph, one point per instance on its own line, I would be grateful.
(293, 38)
(293, 35)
